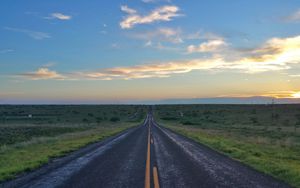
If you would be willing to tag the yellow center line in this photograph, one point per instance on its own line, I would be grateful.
(147, 174)
(155, 177)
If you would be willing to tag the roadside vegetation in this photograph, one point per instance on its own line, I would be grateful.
(31, 136)
(266, 137)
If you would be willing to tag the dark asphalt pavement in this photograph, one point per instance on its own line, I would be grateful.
(146, 156)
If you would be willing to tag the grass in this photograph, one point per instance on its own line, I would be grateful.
(30, 136)
(15, 134)
(30, 155)
(68, 114)
(266, 144)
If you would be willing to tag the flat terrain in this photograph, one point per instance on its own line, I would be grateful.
(31, 136)
(146, 156)
(266, 137)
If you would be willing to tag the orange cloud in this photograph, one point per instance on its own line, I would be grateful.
(42, 74)
(283, 94)
(276, 54)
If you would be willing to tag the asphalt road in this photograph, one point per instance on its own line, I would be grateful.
(146, 156)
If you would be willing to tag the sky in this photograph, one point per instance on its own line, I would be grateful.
(60, 51)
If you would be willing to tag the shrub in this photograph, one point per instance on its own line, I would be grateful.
(169, 118)
(187, 122)
(114, 119)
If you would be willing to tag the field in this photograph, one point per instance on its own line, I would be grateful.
(266, 137)
(30, 136)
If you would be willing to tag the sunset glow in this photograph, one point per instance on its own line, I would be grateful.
(53, 51)
(296, 95)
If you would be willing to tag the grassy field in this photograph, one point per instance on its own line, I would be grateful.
(266, 137)
(30, 136)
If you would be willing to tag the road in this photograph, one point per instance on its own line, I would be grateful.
(146, 156)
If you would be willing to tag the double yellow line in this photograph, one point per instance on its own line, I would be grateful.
(155, 172)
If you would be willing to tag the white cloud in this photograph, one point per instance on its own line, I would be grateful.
(59, 16)
(33, 34)
(160, 46)
(160, 35)
(166, 35)
(128, 10)
(115, 46)
(148, 43)
(295, 75)
(295, 17)
(164, 13)
(210, 46)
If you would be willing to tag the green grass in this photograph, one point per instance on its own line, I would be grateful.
(68, 114)
(15, 134)
(282, 163)
(31, 135)
(247, 133)
(29, 155)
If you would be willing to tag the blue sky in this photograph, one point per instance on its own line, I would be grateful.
(63, 50)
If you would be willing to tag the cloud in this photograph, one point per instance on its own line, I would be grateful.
(5, 51)
(282, 94)
(59, 16)
(33, 34)
(203, 35)
(274, 55)
(295, 75)
(128, 10)
(164, 13)
(42, 74)
(115, 46)
(210, 46)
(159, 70)
(160, 46)
(163, 34)
(295, 17)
